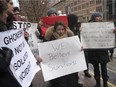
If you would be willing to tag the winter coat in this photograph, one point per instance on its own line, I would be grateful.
(51, 35)
(6, 77)
(68, 80)
(98, 55)
(2, 27)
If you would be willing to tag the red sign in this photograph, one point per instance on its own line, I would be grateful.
(51, 20)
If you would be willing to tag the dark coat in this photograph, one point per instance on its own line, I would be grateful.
(6, 77)
(98, 55)
(3, 27)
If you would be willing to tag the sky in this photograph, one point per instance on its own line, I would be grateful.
(16, 3)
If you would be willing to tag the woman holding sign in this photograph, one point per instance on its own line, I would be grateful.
(6, 77)
(99, 56)
(59, 31)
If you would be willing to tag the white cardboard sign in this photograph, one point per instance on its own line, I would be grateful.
(61, 57)
(97, 35)
(23, 64)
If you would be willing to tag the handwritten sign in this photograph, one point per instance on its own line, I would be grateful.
(97, 35)
(31, 28)
(61, 57)
(23, 64)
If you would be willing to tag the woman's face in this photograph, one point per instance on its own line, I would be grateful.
(60, 30)
(98, 19)
(53, 14)
(10, 6)
(17, 16)
(3, 17)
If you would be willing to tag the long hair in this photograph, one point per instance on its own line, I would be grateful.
(59, 23)
(7, 1)
(3, 6)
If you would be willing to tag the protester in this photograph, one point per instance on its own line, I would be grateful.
(17, 17)
(51, 12)
(10, 14)
(16, 14)
(99, 56)
(6, 77)
(59, 31)
(111, 51)
(74, 25)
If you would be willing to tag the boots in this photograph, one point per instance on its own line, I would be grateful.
(105, 84)
(98, 84)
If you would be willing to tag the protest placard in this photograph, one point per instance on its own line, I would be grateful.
(97, 35)
(50, 21)
(31, 28)
(61, 57)
(23, 64)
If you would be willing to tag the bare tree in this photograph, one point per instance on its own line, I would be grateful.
(34, 9)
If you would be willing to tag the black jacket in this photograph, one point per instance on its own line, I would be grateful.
(98, 55)
(6, 77)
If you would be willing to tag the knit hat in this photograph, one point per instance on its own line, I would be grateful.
(94, 15)
(72, 20)
(51, 11)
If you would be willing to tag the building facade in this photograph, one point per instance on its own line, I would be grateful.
(84, 8)
(111, 9)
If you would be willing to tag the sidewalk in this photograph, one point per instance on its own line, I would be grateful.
(112, 63)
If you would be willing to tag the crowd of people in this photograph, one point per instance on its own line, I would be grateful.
(59, 30)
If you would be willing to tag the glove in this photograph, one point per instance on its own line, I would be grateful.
(7, 53)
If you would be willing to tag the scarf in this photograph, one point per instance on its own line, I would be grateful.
(56, 35)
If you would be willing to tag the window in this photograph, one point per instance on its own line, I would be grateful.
(83, 6)
(75, 8)
(98, 1)
(92, 2)
(75, 2)
(99, 8)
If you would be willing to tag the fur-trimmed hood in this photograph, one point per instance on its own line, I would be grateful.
(50, 32)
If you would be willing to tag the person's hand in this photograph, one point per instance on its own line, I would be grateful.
(8, 54)
(36, 32)
(81, 48)
(26, 34)
(80, 29)
(38, 60)
(114, 31)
